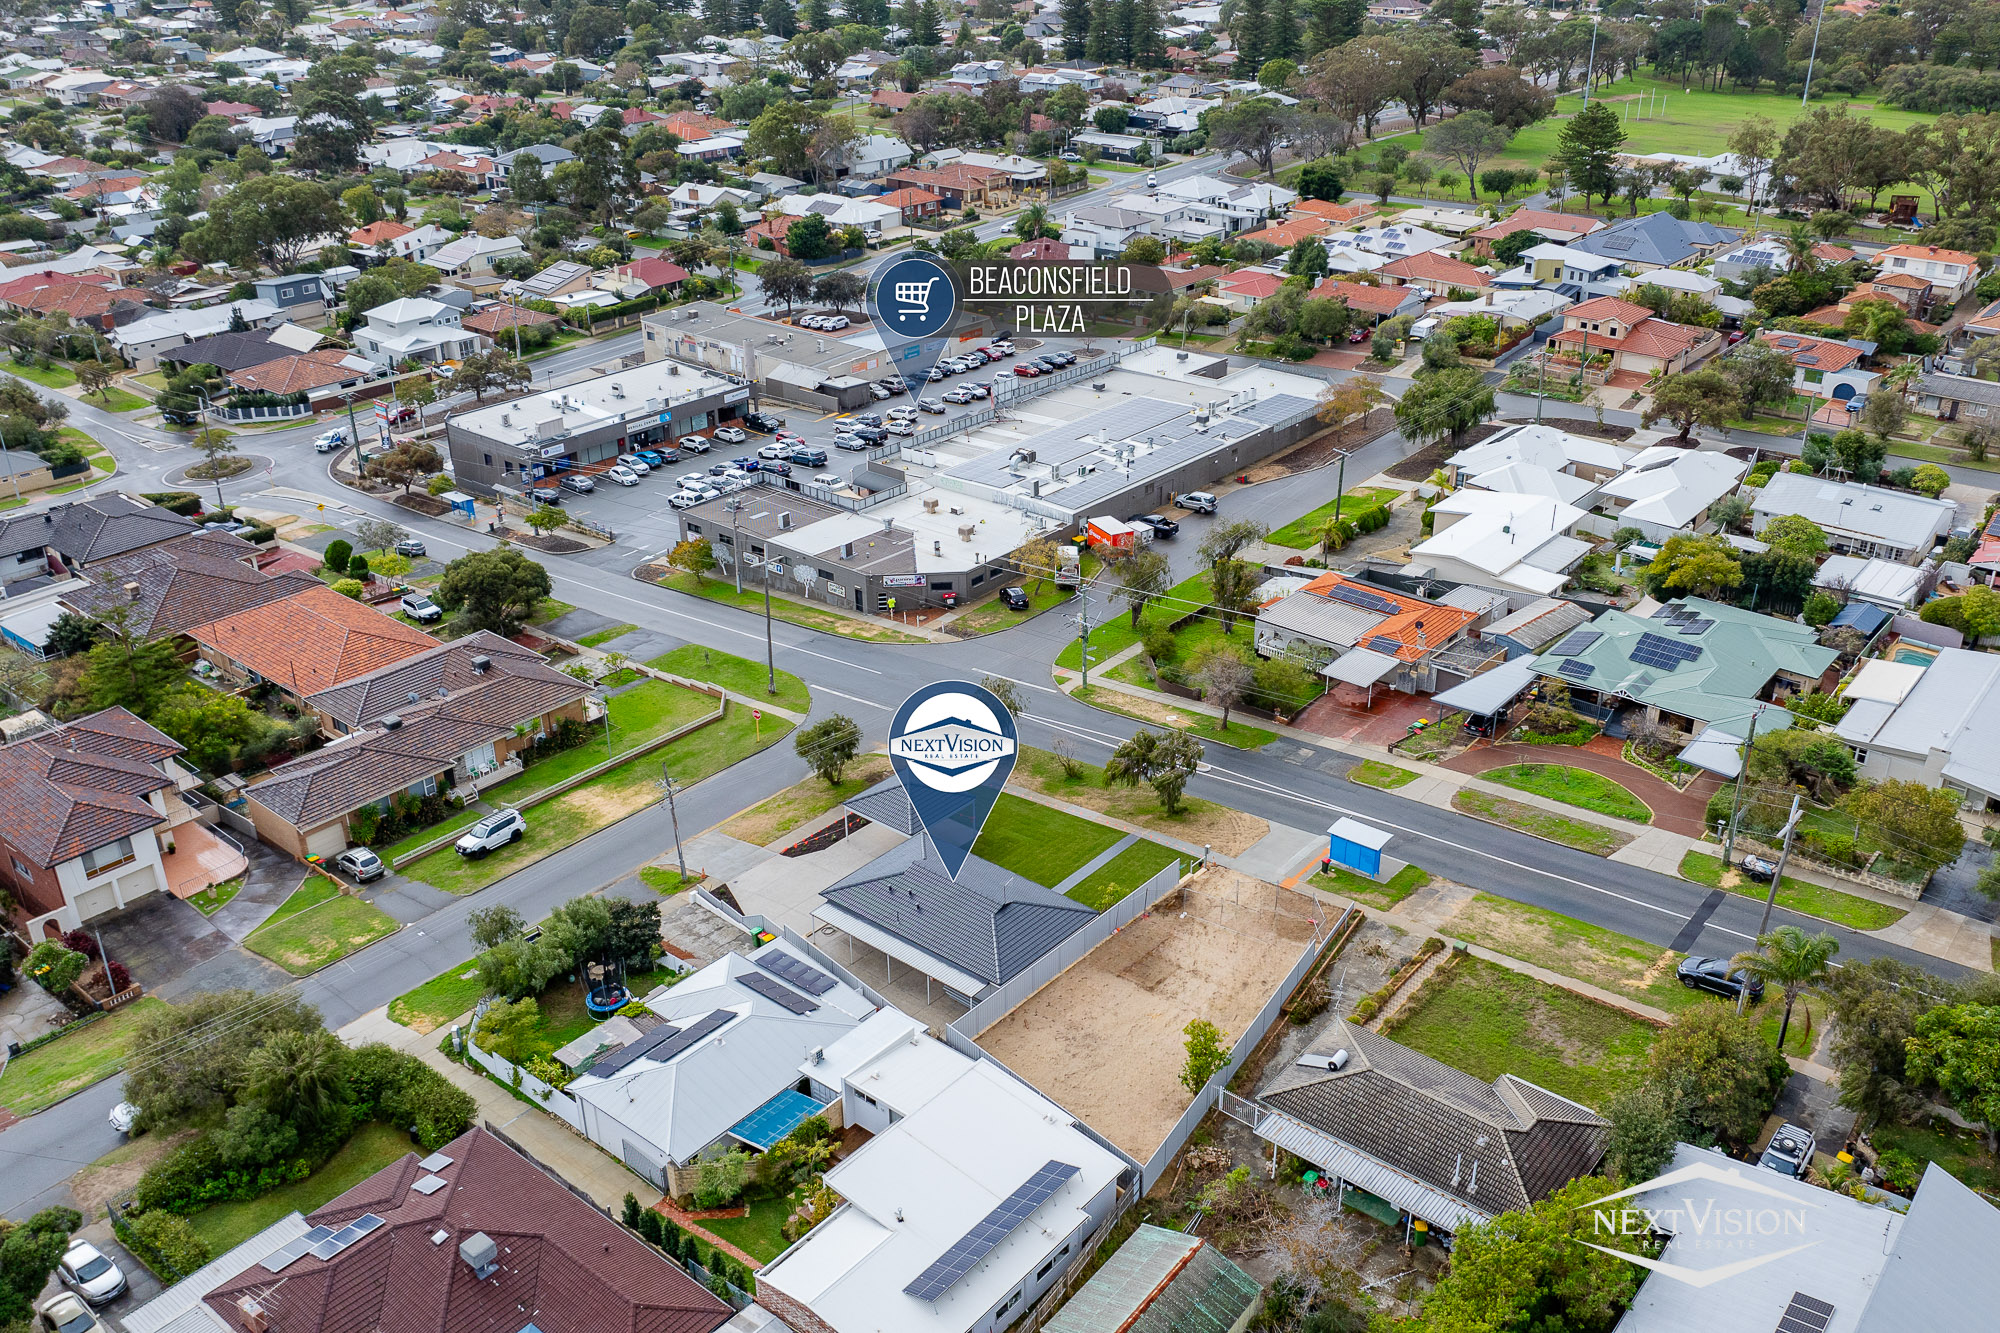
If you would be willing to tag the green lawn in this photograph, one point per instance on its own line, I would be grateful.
(1809, 1019)
(740, 674)
(315, 890)
(1301, 532)
(550, 608)
(1572, 786)
(114, 399)
(1197, 821)
(823, 619)
(604, 800)
(210, 900)
(1959, 1151)
(758, 1232)
(562, 1017)
(439, 1000)
(1795, 895)
(469, 815)
(1486, 1021)
(374, 1146)
(1040, 843)
(55, 377)
(1237, 734)
(605, 635)
(1123, 873)
(994, 614)
(1364, 890)
(73, 1061)
(775, 816)
(639, 715)
(1115, 634)
(1374, 773)
(1622, 964)
(665, 881)
(1593, 838)
(330, 926)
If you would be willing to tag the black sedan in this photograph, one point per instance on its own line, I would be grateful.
(1162, 527)
(1713, 975)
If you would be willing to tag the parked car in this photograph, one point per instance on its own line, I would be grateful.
(1028, 370)
(931, 405)
(894, 384)
(764, 421)
(547, 495)
(634, 464)
(958, 395)
(66, 1313)
(420, 608)
(1713, 975)
(775, 451)
(330, 441)
(1197, 502)
(660, 457)
(904, 412)
(1162, 527)
(412, 548)
(833, 479)
(496, 830)
(980, 389)
(1072, 157)
(937, 374)
(790, 437)
(1015, 599)
(1757, 868)
(621, 474)
(732, 434)
(900, 427)
(866, 419)
(878, 393)
(123, 1116)
(578, 485)
(360, 865)
(872, 434)
(782, 469)
(806, 455)
(694, 444)
(86, 1271)
(1790, 1150)
(852, 443)
(686, 499)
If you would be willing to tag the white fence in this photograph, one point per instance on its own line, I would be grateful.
(554, 1100)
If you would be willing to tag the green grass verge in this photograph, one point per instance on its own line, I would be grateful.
(464, 818)
(1795, 895)
(1592, 838)
(305, 940)
(1375, 773)
(315, 890)
(439, 1000)
(1573, 786)
(1238, 734)
(1123, 873)
(1486, 1021)
(374, 1146)
(55, 377)
(994, 614)
(605, 635)
(1302, 531)
(639, 715)
(1383, 895)
(114, 399)
(1622, 964)
(72, 1062)
(1116, 634)
(210, 900)
(759, 1232)
(664, 881)
(1040, 843)
(740, 674)
(792, 613)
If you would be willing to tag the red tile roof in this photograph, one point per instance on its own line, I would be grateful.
(1433, 267)
(1415, 627)
(1608, 307)
(493, 319)
(908, 197)
(1289, 234)
(376, 233)
(1332, 212)
(14, 289)
(654, 271)
(892, 98)
(1930, 252)
(1043, 251)
(1535, 219)
(233, 110)
(1649, 337)
(459, 162)
(81, 786)
(1823, 353)
(104, 185)
(313, 640)
(1364, 297)
(1257, 285)
(297, 374)
(1182, 279)
(80, 300)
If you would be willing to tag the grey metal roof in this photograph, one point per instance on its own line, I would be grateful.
(887, 803)
(1954, 708)
(88, 531)
(1490, 691)
(1539, 623)
(1959, 388)
(989, 921)
(1654, 238)
(1940, 1273)
(1898, 517)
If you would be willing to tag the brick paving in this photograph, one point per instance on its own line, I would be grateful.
(686, 1221)
(1676, 811)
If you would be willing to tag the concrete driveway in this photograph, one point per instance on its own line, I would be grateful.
(174, 950)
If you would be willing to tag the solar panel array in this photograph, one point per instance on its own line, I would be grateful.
(320, 1243)
(662, 1043)
(1576, 641)
(996, 1226)
(771, 990)
(429, 1185)
(807, 978)
(1576, 670)
(1696, 627)
(437, 1161)
(1654, 650)
(1806, 1314)
(1361, 597)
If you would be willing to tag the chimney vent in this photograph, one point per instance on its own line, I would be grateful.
(784, 519)
(392, 723)
(480, 1254)
(132, 591)
(482, 663)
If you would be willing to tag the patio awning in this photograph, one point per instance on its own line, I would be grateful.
(1397, 1186)
(1490, 691)
(1715, 750)
(932, 966)
(1359, 666)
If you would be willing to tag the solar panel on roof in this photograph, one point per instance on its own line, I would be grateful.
(1361, 597)
(366, 1223)
(1695, 627)
(988, 1232)
(1667, 613)
(282, 1257)
(705, 1026)
(613, 1061)
(1806, 1314)
(1577, 641)
(429, 1185)
(437, 1161)
(316, 1235)
(771, 990)
(1576, 670)
(1655, 650)
(808, 979)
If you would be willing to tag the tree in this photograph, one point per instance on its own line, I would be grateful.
(1468, 139)
(1698, 398)
(28, 1256)
(1219, 668)
(1587, 145)
(1143, 575)
(1444, 404)
(786, 280)
(212, 725)
(332, 127)
(1646, 1123)
(1874, 1005)
(1911, 821)
(1956, 1048)
(1307, 259)
(1793, 961)
(1503, 94)
(266, 219)
(380, 534)
(491, 371)
(695, 556)
(1852, 452)
(807, 238)
(337, 553)
(1885, 415)
(546, 519)
(1207, 1051)
(300, 1077)
(1730, 1074)
(828, 747)
(493, 926)
(1694, 565)
(1164, 761)
(493, 590)
(1536, 1268)
(1930, 479)
(185, 1074)
(120, 673)
(1007, 692)
(840, 290)
(1252, 127)
(1344, 400)
(403, 465)
(1795, 533)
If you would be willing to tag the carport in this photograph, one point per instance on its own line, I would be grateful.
(960, 984)
(1360, 666)
(1486, 698)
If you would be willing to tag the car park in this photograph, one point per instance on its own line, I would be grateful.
(1714, 976)
(635, 464)
(1015, 599)
(980, 389)
(547, 495)
(686, 499)
(86, 1271)
(694, 444)
(621, 474)
(731, 434)
(360, 865)
(330, 441)
(66, 1313)
(578, 485)
(1197, 502)
(807, 456)
(1790, 1151)
(958, 395)
(931, 405)
(496, 830)
(420, 608)
(900, 427)
(1028, 370)
(412, 548)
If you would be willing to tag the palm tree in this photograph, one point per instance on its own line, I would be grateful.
(1791, 960)
(1331, 535)
(299, 1076)
(1799, 243)
(1029, 225)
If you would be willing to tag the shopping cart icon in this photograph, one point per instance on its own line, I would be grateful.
(914, 299)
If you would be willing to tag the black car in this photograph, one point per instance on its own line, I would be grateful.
(1063, 359)
(764, 422)
(772, 465)
(809, 457)
(1016, 599)
(1713, 975)
(547, 495)
(1162, 527)
(872, 434)
(412, 548)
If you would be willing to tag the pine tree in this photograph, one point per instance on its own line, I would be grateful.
(1587, 145)
(1333, 22)
(719, 14)
(1075, 27)
(1124, 29)
(928, 31)
(1249, 28)
(749, 15)
(1281, 39)
(1150, 46)
(1101, 45)
(816, 16)
(869, 13)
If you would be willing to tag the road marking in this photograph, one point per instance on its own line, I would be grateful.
(853, 698)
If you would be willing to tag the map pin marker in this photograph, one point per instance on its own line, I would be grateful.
(953, 745)
(915, 306)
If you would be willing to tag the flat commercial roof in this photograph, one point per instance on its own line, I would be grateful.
(630, 395)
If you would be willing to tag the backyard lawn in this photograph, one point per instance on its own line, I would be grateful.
(226, 1225)
(1486, 1021)
(758, 1232)
(1374, 773)
(1592, 838)
(775, 816)
(1795, 895)
(1959, 1151)
(1123, 873)
(1303, 531)
(1238, 734)
(1040, 843)
(1364, 890)
(740, 674)
(826, 620)
(1572, 786)
(317, 925)
(73, 1061)
(439, 1000)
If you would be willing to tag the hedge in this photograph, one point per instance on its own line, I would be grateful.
(185, 503)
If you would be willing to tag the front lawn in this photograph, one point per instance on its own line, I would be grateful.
(1038, 842)
(439, 1000)
(210, 900)
(775, 816)
(823, 619)
(639, 715)
(328, 927)
(1123, 873)
(1303, 531)
(1374, 773)
(749, 679)
(1592, 838)
(1795, 895)
(1572, 786)
(55, 377)
(1200, 822)
(114, 399)
(1115, 634)
(1238, 735)
(1382, 895)
(1486, 1021)
(73, 1061)
(224, 1226)
(1619, 963)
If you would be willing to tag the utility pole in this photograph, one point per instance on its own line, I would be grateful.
(1805, 94)
(1083, 621)
(1736, 805)
(770, 650)
(1340, 485)
(360, 452)
(672, 789)
(1590, 72)
(1777, 877)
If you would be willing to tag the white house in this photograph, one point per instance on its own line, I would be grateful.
(1942, 730)
(1104, 229)
(1823, 367)
(468, 261)
(1858, 519)
(143, 340)
(414, 329)
(1534, 459)
(840, 211)
(1952, 274)
(875, 155)
(1500, 539)
(1668, 490)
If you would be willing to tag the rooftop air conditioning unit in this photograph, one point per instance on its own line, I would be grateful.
(506, 418)
(931, 506)
(482, 663)
(673, 370)
(784, 519)
(617, 389)
(847, 550)
(1098, 386)
(480, 1254)
(392, 723)
(966, 530)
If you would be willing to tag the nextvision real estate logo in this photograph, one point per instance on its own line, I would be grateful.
(953, 745)
(1713, 1211)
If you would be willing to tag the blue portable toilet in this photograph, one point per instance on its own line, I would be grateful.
(1357, 847)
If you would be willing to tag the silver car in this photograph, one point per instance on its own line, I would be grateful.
(86, 1271)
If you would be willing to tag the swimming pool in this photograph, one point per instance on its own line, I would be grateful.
(1915, 654)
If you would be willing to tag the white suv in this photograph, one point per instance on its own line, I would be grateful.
(493, 831)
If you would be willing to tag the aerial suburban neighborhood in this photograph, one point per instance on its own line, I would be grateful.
(972, 666)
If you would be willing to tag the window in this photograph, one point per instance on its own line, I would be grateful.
(100, 859)
(22, 870)
(1860, 757)
(1043, 1271)
(424, 787)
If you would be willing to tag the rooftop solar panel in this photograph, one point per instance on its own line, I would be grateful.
(1806, 1314)
(1696, 627)
(705, 1026)
(429, 1185)
(807, 978)
(988, 1232)
(283, 1257)
(1654, 650)
(1576, 670)
(1577, 641)
(316, 1235)
(1361, 597)
(613, 1061)
(437, 1161)
(771, 990)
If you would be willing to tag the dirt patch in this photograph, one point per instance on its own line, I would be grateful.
(608, 803)
(1419, 465)
(423, 504)
(1104, 1039)
(116, 1174)
(793, 807)
(1595, 429)
(1323, 448)
(541, 542)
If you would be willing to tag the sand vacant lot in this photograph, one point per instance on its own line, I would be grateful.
(1104, 1038)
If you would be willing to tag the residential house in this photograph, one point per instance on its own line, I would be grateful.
(79, 535)
(1391, 637)
(89, 811)
(413, 329)
(1162, 1281)
(716, 148)
(1394, 241)
(549, 156)
(1769, 256)
(273, 134)
(1952, 274)
(1508, 307)
(841, 212)
(1984, 324)
(1117, 147)
(1668, 490)
(388, 239)
(92, 300)
(1656, 240)
(1858, 519)
(474, 1238)
(975, 1197)
(468, 261)
(642, 277)
(1042, 251)
(165, 591)
(718, 1065)
(1372, 304)
(306, 643)
(913, 204)
(301, 296)
(144, 341)
(1823, 367)
(1943, 730)
(958, 185)
(1637, 341)
(1289, 233)
(1227, 208)
(1692, 663)
(1884, 583)
(1247, 289)
(1416, 1141)
(1351, 214)
(1438, 274)
(316, 373)
(494, 322)
(1530, 630)
(1958, 398)
(875, 155)
(1501, 539)
(1105, 229)
(1570, 271)
(1534, 459)
(558, 279)
(1557, 228)
(231, 350)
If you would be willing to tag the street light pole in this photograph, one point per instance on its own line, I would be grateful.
(1590, 72)
(1777, 877)
(360, 452)
(672, 789)
(770, 648)
(1806, 94)
(735, 508)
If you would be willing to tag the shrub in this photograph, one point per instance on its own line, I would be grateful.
(357, 567)
(401, 1090)
(1158, 642)
(1899, 1171)
(184, 503)
(54, 968)
(81, 941)
(260, 535)
(349, 588)
(719, 1180)
(337, 555)
(173, 1240)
